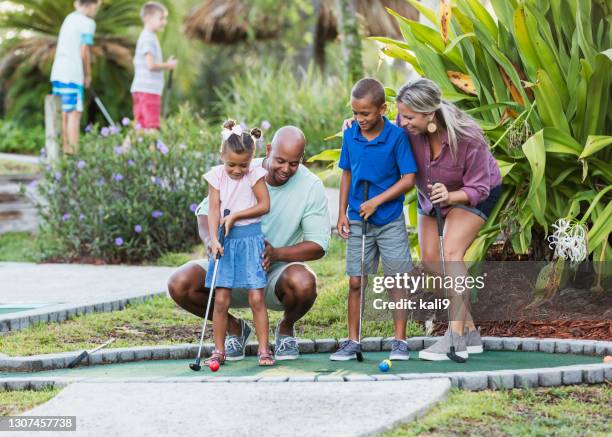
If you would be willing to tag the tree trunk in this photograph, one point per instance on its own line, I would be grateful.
(351, 41)
(53, 126)
(306, 54)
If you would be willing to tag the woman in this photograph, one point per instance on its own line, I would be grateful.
(458, 172)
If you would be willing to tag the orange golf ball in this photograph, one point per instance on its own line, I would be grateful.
(608, 359)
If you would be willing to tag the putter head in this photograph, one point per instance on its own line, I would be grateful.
(359, 357)
(454, 357)
(195, 366)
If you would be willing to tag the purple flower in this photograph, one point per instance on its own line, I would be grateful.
(138, 229)
(156, 180)
(265, 125)
(138, 126)
(156, 214)
(88, 128)
(193, 207)
(118, 241)
(130, 162)
(182, 146)
(125, 121)
(105, 131)
(117, 177)
(58, 176)
(43, 151)
(114, 130)
(81, 164)
(33, 184)
(66, 217)
(119, 150)
(81, 217)
(162, 147)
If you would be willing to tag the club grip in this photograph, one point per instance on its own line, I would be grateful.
(77, 360)
(221, 234)
(439, 219)
(366, 189)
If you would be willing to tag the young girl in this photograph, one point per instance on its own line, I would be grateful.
(237, 187)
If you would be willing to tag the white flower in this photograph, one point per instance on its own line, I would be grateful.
(569, 240)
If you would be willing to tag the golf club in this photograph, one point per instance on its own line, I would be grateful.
(364, 231)
(452, 355)
(221, 237)
(85, 354)
(167, 96)
(102, 108)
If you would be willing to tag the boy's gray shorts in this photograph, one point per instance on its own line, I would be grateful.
(389, 242)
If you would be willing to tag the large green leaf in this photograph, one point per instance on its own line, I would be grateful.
(535, 152)
(602, 227)
(557, 141)
(550, 107)
(594, 144)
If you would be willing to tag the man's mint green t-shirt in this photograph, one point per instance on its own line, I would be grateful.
(298, 211)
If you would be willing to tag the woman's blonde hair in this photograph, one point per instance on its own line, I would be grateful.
(424, 96)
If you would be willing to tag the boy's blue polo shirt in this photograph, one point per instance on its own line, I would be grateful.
(381, 161)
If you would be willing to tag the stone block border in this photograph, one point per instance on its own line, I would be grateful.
(61, 312)
(494, 380)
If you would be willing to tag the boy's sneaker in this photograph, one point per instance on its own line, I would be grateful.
(473, 341)
(399, 350)
(438, 351)
(285, 346)
(236, 344)
(347, 350)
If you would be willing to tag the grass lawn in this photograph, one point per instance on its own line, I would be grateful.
(15, 402)
(563, 411)
(160, 321)
(17, 247)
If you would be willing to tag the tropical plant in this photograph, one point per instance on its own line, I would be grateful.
(537, 79)
(27, 57)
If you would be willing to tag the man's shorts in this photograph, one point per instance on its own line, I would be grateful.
(71, 94)
(147, 108)
(240, 296)
(389, 242)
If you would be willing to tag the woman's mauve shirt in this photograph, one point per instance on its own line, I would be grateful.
(474, 170)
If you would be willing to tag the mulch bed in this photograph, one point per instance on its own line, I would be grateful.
(576, 329)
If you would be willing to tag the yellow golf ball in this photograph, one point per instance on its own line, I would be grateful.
(389, 363)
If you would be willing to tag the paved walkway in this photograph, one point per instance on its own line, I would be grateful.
(241, 409)
(76, 283)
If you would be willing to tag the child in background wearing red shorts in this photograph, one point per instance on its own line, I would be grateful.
(149, 67)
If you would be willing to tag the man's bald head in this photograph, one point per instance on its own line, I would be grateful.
(290, 138)
(285, 154)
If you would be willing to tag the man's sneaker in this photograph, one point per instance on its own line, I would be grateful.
(236, 344)
(346, 351)
(285, 346)
(438, 351)
(473, 341)
(399, 350)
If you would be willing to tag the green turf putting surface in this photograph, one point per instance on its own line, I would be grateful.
(319, 364)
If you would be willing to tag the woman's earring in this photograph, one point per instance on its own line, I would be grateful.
(431, 127)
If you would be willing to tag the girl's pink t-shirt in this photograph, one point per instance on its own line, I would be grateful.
(236, 195)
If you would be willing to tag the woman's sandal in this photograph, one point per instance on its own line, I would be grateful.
(217, 355)
(266, 358)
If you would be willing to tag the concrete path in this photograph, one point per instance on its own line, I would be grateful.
(242, 409)
(15, 157)
(77, 283)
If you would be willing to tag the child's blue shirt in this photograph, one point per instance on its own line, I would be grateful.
(382, 162)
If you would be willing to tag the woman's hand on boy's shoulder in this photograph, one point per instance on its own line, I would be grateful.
(347, 124)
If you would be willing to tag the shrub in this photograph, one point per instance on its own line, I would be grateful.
(126, 204)
(315, 104)
(17, 139)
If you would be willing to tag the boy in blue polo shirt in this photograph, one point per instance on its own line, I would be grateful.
(377, 152)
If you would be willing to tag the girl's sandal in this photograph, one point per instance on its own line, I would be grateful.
(217, 355)
(266, 358)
